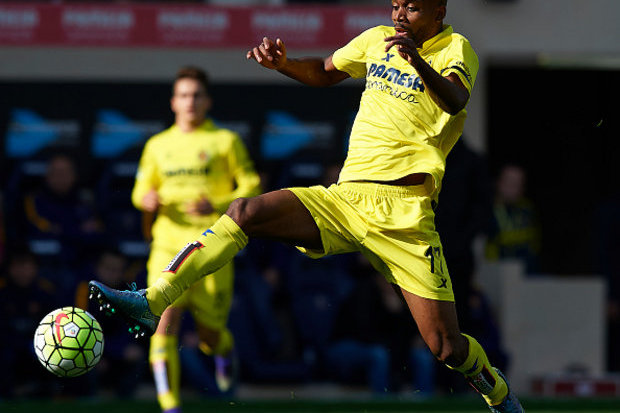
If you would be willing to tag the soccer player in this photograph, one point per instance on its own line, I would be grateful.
(188, 175)
(419, 76)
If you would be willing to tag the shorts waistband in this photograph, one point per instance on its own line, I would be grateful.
(375, 189)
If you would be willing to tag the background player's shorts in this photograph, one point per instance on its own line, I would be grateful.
(208, 299)
(393, 226)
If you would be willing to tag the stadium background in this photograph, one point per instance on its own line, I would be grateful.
(545, 97)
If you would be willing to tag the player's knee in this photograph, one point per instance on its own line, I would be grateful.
(241, 210)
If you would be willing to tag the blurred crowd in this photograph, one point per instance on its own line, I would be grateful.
(295, 320)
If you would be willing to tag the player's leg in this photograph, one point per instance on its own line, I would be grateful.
(209, 301)
(164, 359)
(277, 215)
(164, 349)
(438, 325)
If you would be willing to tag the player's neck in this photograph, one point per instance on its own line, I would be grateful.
(188, 126)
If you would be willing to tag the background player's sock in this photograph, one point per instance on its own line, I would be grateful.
(224, 360)
(164, 358)
(215, 247)
(480, 375)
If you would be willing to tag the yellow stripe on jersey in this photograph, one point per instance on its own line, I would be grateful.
(398, 129)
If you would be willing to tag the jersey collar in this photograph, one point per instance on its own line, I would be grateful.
(445, 32)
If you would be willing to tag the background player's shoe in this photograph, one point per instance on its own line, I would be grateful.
(225, 371)
(510, 404)
(131, 305)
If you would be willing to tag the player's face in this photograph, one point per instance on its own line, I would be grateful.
(418, 19)
(511, 185)
(190, 102)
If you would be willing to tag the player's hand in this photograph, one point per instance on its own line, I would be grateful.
(201, 206)
(151, 201)
(269, 54)
(405, 46)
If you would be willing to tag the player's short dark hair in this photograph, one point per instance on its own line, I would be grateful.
(193, 72)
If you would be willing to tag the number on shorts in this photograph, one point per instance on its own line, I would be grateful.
(432, 252)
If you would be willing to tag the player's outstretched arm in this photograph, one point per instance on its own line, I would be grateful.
(312, 71)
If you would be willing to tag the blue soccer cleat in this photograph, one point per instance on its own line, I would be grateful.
(131, 305)
(510, 404)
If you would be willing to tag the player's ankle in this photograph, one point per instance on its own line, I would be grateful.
(157, 298)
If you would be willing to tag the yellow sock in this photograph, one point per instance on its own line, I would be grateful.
(214, 248)
(481, 376)
(164, 358)
(223, 347)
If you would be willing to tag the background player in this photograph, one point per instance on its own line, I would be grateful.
(188, 175)
(419, 76)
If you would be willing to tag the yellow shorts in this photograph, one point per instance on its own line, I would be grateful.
(393, 226)
(208, 299)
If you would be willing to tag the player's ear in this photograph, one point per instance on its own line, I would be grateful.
(441, 13)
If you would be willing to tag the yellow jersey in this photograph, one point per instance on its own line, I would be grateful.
(182, 167)
(399, 129)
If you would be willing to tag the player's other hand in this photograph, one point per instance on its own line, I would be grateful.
(151, 201)
(405, 46)
(201, 206)
(269, 54)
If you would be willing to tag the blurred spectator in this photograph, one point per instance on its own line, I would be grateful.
(58, 209)
(124, 362)
(25, 299)
(60, 223)
(514, 230)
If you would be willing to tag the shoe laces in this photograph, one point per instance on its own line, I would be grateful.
(133, 286)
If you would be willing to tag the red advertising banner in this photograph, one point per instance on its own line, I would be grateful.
(174, 25)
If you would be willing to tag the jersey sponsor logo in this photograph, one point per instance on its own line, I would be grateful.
(182, 256)
(395, 76)
(394, 91)
(187, 172)
(401, 85)
(208, 232)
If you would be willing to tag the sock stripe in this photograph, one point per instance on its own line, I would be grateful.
(182, 255)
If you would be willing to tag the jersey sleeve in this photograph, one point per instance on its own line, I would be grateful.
(462, 61)
(351, 58)
(147, 176)
(246, 178)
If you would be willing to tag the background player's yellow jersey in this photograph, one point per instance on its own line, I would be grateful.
(398, 129)
(209, 161)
